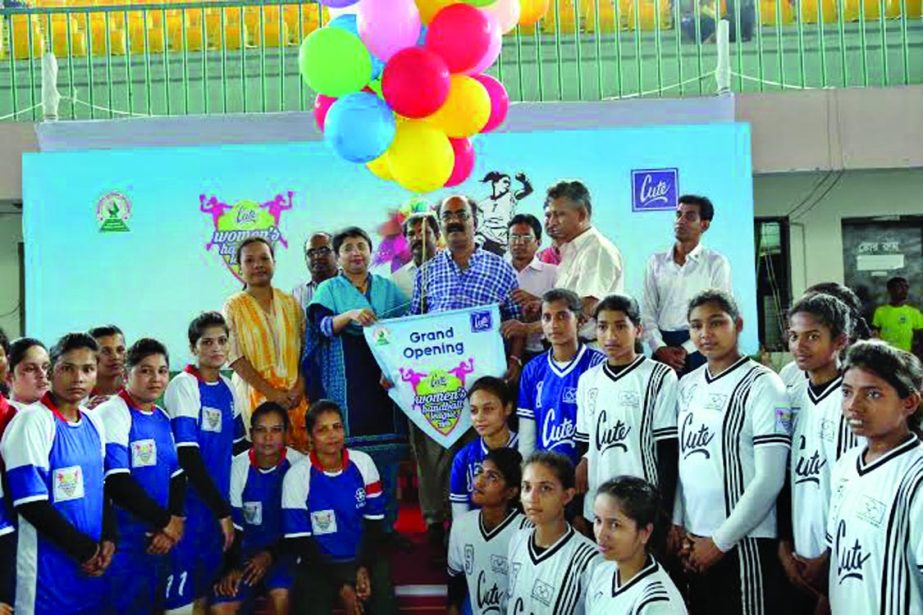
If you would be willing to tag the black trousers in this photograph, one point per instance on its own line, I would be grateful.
(748, 580)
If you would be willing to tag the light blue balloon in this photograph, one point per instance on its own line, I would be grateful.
(345, 22)
(377, 67)
(422, 38)
(359, 127)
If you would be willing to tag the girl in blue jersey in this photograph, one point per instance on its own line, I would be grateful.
(54, 453)
(256, 563)
(144, 480)
(332, 512)
(491, 405)
(625, 511)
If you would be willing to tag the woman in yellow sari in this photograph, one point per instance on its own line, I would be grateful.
(267, 329)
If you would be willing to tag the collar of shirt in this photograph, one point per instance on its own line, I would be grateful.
(580, 241)
(472, 260)
(694, 255)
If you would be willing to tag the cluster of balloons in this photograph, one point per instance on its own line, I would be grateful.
(401, 86)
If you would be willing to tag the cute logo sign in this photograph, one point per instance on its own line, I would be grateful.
(231, 224)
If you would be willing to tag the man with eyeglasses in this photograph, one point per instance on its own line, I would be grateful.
(534, 276)
(321, 262)
(461, 276)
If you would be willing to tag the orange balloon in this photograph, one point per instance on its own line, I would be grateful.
(531, 11)
(428, 8)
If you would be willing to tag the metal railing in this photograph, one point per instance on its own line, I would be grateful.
(84, 62)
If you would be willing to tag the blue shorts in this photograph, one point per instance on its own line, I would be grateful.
(195, 562)
(281, 575)
(134, 580)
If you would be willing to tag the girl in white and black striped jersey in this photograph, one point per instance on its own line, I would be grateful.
(480, 539)
(818, 330)
(734, 432)
(549, 566)
(630, 582)
(875, 528)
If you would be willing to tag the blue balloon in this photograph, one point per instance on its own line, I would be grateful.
(359, 127)
(345, 22)
(422, 38)
(377, 67)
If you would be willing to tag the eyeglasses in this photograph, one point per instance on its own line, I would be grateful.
(461, 215)
(317, 252)
(516, 238)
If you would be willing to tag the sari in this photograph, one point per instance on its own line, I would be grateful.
(271, 341)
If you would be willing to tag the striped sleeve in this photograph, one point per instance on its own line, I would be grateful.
(184, 404)
(296, 521)
(665, 407)
(374, 495)
(769, 411)
(26, 450)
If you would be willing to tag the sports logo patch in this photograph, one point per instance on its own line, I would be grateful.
(68, 483)
(143, 453)
(323, 522)
(253, 513)
(211, 419)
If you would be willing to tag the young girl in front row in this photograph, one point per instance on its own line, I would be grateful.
(631, 582)
(875, 528)
(480, 539)
(549, 566)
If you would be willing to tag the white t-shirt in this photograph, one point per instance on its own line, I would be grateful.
(875, 532)
(553, 581)
(481, 556)
(650, 592)
(591, 266)
(621, 417)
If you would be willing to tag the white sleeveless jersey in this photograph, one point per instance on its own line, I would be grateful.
(650, 592)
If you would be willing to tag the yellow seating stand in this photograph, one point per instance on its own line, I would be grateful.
(914, 8)
(810, 12)
(647, 15)
(568, 23)
(768, 12)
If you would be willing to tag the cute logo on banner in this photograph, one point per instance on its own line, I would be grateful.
(654, 189)
(432, 359)
(246, 218)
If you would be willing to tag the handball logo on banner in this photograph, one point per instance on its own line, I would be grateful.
(234, 223)
(654, 189)
(439, 394)
(112, 212)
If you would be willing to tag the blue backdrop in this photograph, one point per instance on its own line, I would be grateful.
(83, 268)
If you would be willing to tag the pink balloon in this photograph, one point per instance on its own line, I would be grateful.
(499, 101)
(461, 34)
(415, 82)
(321, 106)
(387, 26)
(491, 55)
(506, 12)
(464, 161)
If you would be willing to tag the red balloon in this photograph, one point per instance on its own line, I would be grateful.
(461, 34)
(415, 82)
(499, 101)
(321, 106)
(464, 161)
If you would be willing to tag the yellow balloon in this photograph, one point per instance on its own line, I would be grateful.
(380, 168)
(420, 157)
(531, 11)
(466, 110)
(429, 8)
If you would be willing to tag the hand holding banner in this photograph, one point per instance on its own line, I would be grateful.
(432, 359)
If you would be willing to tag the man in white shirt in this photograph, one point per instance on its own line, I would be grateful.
(535, 277)
(322, 264)
(422, 232)
(673, 277)
(591, 265)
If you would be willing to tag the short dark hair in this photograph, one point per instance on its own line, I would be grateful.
(860, 327)
(105, 331)
(897, 280)
(620, 303)
(350, 232)
(637, 498)
(830, 311)
(706, 209)
(723, 299)
(472, 206)
(202, 322)
(531, 221)
(495, 386)
(71, 341)
(250, 241)
(560, 464)
(269, 407)
(321, 406)
(509, 462)
(573, 190)
(143, 348)
(307, 241)
(18, 349)
(428, 216)
(899, 368)
(569, 297)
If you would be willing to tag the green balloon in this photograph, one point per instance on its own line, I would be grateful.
(479, 2)
(334, 62)
(375, 86)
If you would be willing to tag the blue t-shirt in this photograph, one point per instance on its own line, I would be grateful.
(466, 465)
(139, 443)
(256, 499)
(51, 459)
(548, 396)
(330, 506)
(208, 416)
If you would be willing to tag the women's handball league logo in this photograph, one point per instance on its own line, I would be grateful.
(246, 218)
(113, 210)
